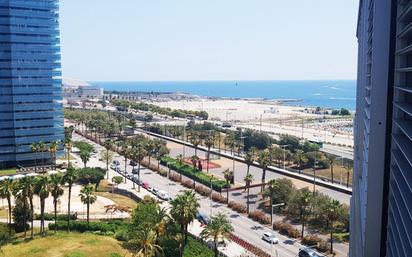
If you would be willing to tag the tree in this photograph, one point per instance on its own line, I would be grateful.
(27, 185)
(42, 148)
(333, 212)
(301, 200)
(91, 175)
(180, 161)
(87, 197)
(195, 140)
(230, 142)
(331, 159)
(137, 154)
(144, 244)
(56, 191)
(42, 190)
(299, 159)
(20, 214)
(228, 174)
(184, 210)
(264, 162)
(107, 155)
(117, 180)
(53, 148)
(163, 151)
(35, 149)
(85, 156)
(248, 180)
(209, 142)
(6, 191)
(279, 191)
(250, 158)
(69, 177)
(220, 227)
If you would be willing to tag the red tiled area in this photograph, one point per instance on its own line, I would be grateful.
(203, 162)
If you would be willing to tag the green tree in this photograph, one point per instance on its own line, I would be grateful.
(248, 181)
(85, 157)
(250, 158)
(27, 185)
(117, 180)
(42, 190)
(53, 148)
(301, 200)
(331, 159)
(7, 187)
(279, 191)
(264, 162)
(69, 177)
(107, 155)
(219, 228)
(56, 191)
(333, 212)
(228, 175)
(209, 142)
(88, 198)
(35, 149)
(184, 210)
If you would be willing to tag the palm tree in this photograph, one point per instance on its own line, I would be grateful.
(250, 158)
(248, 180)
(87, 197)
(107, 156)
(42, 149)
(149, 147)
(184, 210)
(331, 159)
(42, 189)
(35, 149)
(333, 212)
(137, 154)
(299, 158)
(53, 148)
(220, 227)
(264, 161)
(230, 142)
(85, 156)
(125, 151)
(180, 160)
(68, 145)
(209, 142)
(6, 191)
(69, 177)
(56, 190)
(144, 245)
(195, 141)
(228, 174)
(303, 200)
(28, 184)
(273, 187)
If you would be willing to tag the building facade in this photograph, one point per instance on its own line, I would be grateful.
(381, 205)
(30, 81)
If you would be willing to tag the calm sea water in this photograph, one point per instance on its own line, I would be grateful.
(333, 94)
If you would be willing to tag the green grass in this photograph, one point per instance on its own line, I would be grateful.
(195, 248)
(8, 172)
(341, 237)
(66, 245)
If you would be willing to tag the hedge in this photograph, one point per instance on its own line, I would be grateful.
(190, 172)
(82, 226)
(50, 216)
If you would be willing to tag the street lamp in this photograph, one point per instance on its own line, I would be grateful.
(284, 155)
(314, 175)
(211, 192)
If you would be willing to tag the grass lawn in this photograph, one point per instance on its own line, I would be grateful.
(67, 245)
(3, 213)
(119, 199)
(195, 248)
(8, 172)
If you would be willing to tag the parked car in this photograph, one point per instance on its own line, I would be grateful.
(113, 166)
(133, 163)
(145, 185)
(308, 252)
(203, 218)
(163, 195)
(135, 171)
(116, 162)
(155, 190)
(270, 238)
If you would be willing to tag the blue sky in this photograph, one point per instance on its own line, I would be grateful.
(133, 40)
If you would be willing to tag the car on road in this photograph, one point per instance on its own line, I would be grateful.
(155, 190)
(135, 171)
(203, 218)
(113, 166)
(116, 162)
(270, 238)
(133, 163)
(308, 252)
(163, 195)
(145, 185)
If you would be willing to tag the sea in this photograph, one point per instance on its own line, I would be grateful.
(324, 93)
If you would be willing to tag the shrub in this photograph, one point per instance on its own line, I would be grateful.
(187, 183)
(310, 240)
(163, 173)
(237, 207)
(50, 216)
(260, 217)
(82, 226)
(202, 190)
(122, 235)
(286, 229)
(322, 246)
(175, 177)
(218, 198)
(193, 173)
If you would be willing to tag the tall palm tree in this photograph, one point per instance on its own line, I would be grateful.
(331, 159)
(180, 161)
(28, 184)
(149, 147)
(273, 187)
(334, 210)
(35, 149)
(228, 174)
(195, 141)
(219, 228)
(42, 189)
(264, 162)
(248, 180)
(85, 156)
(300, 157)
(184, 210)
(125, 152)
(69, 177)
(107, 156)
(42, 149)
(137, 154)
(56, 190)
(144, 245)
(209, 142)
(230, 142)
(6, 191)
(303, 199)
(87, 197)
(250, 158)
(53, 148)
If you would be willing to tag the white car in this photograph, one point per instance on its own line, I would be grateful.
(270, 238)
(163, 195)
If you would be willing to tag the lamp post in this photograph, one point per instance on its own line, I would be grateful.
(284, 155)
(314, 175)
(211, 192)
(168, 181)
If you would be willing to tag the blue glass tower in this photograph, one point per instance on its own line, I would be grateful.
(30, 79)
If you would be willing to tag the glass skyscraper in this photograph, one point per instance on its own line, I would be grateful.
(30, 79)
